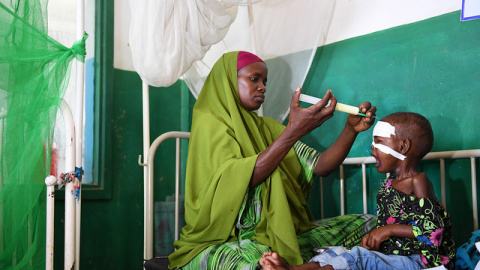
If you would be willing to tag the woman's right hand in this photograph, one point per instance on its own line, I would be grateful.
(303, 120)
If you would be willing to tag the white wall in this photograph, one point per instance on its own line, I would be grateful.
(350, 19)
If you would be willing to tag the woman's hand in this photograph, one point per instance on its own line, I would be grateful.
(361, 123)
(300, 123)
(303, 120)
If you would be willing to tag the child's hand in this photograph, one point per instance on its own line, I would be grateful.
(361, 123)
(373, 240)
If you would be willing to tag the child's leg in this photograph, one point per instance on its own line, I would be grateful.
(361, 258)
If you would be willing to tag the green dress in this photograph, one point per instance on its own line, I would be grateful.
(229, 226)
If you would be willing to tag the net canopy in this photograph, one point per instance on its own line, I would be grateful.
(34, 71)
(175, 39)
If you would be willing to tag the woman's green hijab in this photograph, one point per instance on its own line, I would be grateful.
(225, 142)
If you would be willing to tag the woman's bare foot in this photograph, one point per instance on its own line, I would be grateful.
(272, 261)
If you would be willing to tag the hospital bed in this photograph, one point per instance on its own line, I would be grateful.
(441, 161)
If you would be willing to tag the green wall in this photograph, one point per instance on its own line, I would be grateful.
(430, 67)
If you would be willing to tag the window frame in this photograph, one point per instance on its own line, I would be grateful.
(103, 104)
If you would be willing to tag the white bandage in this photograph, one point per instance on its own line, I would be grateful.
(387, 150)
(384, 129)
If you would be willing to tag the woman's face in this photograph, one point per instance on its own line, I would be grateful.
(252, 84)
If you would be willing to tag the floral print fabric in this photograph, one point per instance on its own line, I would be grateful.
(430, 222)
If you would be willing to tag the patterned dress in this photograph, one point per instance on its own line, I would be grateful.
(431, 226)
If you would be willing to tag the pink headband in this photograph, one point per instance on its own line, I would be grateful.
(246, 58)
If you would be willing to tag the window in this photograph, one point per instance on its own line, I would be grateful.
(98, 71)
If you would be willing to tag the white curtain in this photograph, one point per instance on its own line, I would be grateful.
(167, 36)
(184, 38)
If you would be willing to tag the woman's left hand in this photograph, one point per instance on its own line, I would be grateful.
(361, 123)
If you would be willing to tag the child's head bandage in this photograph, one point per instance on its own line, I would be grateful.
(384, 129)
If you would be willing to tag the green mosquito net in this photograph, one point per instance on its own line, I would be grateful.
(34, 71)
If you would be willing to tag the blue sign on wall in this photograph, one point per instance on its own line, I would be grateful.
(470, 10)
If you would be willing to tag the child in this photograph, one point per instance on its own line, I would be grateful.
(413, 229)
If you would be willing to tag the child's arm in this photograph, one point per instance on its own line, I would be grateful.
(377, 236)
(334, 155)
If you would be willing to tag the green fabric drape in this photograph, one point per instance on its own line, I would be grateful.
(224, 145)
(34, 71)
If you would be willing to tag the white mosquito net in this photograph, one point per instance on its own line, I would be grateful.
(183, 39)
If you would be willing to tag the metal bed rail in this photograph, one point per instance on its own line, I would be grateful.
(148, 187)
(363, 161)
(440, 156)
(72, 204)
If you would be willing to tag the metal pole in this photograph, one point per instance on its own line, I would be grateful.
(177, 186)
(364, 185)
(148, 186)
(474, 193)
(79, 111)
(69, 187)
(342, 191)
(50, 181)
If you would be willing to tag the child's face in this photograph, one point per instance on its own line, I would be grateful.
(385, 162)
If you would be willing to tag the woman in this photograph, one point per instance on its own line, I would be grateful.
(246, 187)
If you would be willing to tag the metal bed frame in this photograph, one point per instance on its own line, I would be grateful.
(363, 161)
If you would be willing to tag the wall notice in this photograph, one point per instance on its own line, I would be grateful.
(470, 10)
